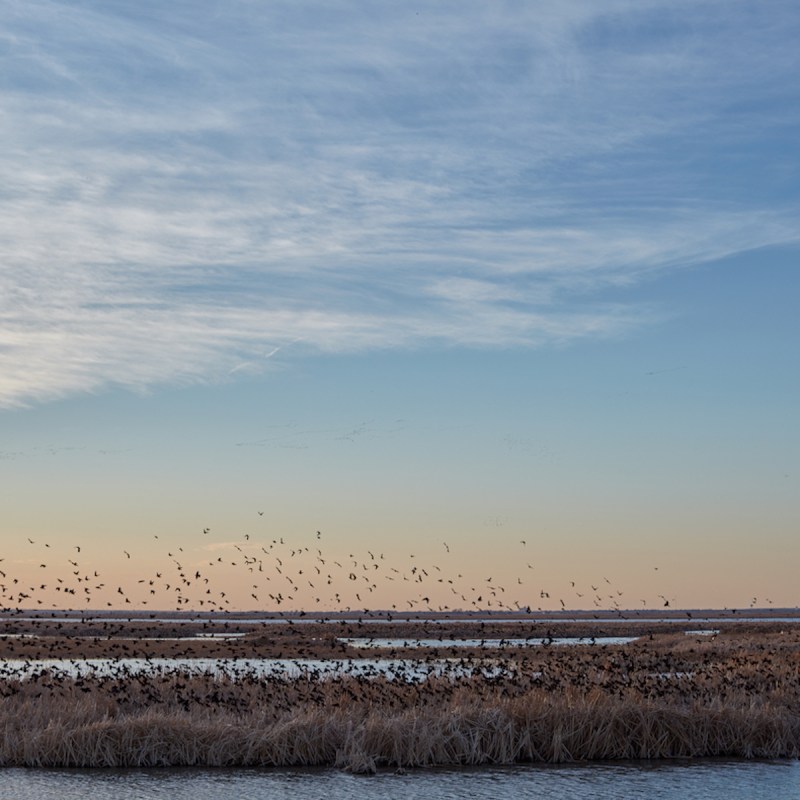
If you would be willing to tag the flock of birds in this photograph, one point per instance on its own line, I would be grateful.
(213, 581)
(217, 647)
(768, 672)
(269, 574)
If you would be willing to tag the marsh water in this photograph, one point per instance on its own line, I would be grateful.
(709, 780)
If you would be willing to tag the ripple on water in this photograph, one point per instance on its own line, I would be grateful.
(710, 780)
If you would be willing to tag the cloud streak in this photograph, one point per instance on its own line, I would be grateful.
(184, 193)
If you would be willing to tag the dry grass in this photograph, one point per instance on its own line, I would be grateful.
(728, 699)
(532, 728)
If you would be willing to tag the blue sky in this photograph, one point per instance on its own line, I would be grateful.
(474, 273)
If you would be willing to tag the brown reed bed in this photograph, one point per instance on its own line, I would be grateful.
(536, 727)
(734, 699)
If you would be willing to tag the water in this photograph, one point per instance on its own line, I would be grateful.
(405, 669)
(215, 636)
(393, 644)
(709, 780)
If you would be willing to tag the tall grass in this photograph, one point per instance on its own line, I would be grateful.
(363, 724)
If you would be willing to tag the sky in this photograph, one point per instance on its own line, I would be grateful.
(495, 303)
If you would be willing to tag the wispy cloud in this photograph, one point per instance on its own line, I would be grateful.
(184, 191)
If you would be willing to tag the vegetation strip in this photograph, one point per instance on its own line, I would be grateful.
(733, 695)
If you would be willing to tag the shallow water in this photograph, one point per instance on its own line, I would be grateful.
(387, 644)
(215, 636)
(710, 780)
(406, 669)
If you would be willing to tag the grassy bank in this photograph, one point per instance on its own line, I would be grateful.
(609, 703)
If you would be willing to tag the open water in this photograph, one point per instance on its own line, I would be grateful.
(706, 780)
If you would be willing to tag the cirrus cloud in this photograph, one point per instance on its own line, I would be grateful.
(184, 193)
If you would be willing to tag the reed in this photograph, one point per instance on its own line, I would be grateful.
(622, 710)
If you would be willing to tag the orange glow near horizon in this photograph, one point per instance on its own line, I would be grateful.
(274, 574)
